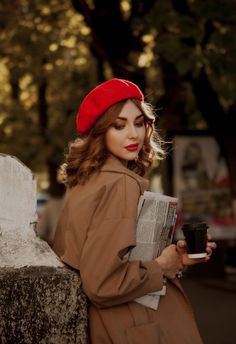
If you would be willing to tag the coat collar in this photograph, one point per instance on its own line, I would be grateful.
(115, 165)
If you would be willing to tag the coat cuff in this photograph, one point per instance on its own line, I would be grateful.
(155, 275)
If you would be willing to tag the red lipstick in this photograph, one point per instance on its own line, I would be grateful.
(132, 148)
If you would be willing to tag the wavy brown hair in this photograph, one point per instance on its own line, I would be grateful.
(87, 155)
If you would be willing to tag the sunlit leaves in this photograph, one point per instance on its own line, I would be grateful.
(4, 76)
(40, 42)
(125, 6)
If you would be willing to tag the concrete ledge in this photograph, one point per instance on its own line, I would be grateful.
(42, 305)
(41, 299)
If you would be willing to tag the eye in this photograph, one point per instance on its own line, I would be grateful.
(118, 126)
(139, 123)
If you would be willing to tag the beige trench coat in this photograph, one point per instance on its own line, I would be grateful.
(95, 231)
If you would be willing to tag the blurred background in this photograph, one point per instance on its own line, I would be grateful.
(182, 54)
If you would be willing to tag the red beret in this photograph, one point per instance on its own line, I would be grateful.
(101, 98)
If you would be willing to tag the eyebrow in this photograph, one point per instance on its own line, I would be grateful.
(125, 119)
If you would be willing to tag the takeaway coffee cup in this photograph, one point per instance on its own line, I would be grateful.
(196, 239)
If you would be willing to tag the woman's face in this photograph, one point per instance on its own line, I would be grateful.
(125, 137)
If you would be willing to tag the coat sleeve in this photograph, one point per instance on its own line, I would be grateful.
(108, 277)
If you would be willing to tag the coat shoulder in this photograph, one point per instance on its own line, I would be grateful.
(115, 170)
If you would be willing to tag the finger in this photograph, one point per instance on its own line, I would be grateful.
(181, 244)
(201, 260)
(209, 237)
(212, 245)
(209, 251)
(193, 261)
(181, 248)
(206, 259)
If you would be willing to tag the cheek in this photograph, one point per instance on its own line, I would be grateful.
(110, 139)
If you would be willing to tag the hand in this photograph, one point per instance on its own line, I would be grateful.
(170, 261)
(182, 249)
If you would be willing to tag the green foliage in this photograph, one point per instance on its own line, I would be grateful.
(202, 37)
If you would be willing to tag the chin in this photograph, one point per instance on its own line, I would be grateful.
(127, 156)
(131, 157)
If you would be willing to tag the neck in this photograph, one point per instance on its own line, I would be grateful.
(124, 162)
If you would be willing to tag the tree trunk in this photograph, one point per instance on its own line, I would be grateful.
(14, 81)
(43, 107)
(220, 124)
(56, 189)
(112, 37)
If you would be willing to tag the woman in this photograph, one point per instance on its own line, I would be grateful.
(104, 174)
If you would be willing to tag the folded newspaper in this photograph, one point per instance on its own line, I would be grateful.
(156, 219)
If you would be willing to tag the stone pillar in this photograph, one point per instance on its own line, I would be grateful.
(41, 300)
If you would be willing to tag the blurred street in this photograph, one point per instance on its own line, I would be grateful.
(213, 298)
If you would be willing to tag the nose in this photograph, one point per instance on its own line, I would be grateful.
(133, 134)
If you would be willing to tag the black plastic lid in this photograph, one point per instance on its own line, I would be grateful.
(194, 226)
